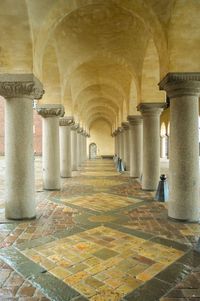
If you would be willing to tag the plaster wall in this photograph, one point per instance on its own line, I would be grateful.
(100, 133)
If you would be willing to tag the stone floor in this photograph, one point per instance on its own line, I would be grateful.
(101, 239)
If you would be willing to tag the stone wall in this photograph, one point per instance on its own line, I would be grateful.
(100, 133)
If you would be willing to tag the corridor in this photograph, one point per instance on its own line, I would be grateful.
(100, 238)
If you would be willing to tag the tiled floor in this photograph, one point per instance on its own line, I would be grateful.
(101, 238)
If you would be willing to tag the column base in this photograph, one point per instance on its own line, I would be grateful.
(21, 218)
(183, 220)
(52, 189)
(147, 189)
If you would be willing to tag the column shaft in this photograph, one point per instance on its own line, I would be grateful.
(50, 145)
(136, 142)
(19, 90)
(151, 144)
(65, 147)
(51, 153)
(184, 159)
(126, 153)
(163, 146)
(20, 182)
(183, 89)
(74, 148)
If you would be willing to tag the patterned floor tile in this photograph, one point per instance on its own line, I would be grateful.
(101, 236)
(153, 218)
(88, 274)
(101, 201)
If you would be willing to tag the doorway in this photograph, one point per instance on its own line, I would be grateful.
(92, 151)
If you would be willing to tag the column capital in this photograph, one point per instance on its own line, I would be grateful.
(66, 121)
(151, 108)
(84, 133)
(125, 126)
(134, 119)
(119, 130)
(88, 135)
(50, 110)
(182, 83)
(80, 130)
(75, 127)
(20, 85)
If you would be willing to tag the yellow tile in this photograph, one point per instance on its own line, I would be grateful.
(76, 277)
(59, 272)
(84, 289)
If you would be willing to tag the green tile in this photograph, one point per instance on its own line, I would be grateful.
(105, 254)
(150, 291)
(54, 288)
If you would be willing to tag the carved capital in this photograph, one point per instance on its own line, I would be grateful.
(135, 119)
(51, 110)
(66, 121)
(151, 109)
(125, 126)
(179, 84)
(20, 85)
(80, 130)
(75, 126)
(119, 130)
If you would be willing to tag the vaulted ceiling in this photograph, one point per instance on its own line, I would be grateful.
(100, 58)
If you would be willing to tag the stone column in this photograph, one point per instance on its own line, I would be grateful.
(84, 146)
(79, 146)
(74, 147)
(135, 144)
(65, 146)
(163, 146)
(86, 136)
(183, 90)
(50, 145)
(151, 144)
(19, 91)
(120, 140)
(126, 152)
(116, 142)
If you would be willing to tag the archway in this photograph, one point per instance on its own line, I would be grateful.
(92, 151)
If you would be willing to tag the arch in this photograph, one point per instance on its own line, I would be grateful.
(168, 128)
(151, 76)
(16, 44)
(51, 76)
(134, 98)
(103, 101)
(183, 37)
(141, 10)
(163, 130)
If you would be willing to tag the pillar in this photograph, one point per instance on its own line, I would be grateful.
(183, 89)
(115, 142)
(50, 145)
(126, 151)
(74, 146)
(135, 145)
(19, 91)
(65, 146)
(163, 146)
(151, 144)
(120, 142)
(79, 146)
